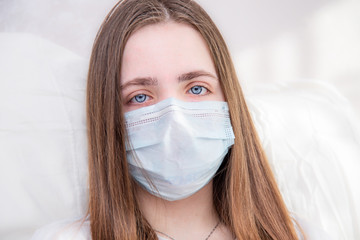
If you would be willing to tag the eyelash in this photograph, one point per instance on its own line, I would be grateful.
(133, 99)
(202, 88)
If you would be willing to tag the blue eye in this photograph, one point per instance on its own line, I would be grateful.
(198, 90)
(140, 98)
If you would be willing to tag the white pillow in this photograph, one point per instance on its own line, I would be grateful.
(43, 152)
(311, 138)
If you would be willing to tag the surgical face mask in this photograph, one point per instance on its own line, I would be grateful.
(177, 145)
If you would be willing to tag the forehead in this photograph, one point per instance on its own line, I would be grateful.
(164, 49)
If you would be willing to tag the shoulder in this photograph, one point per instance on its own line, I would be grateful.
(64, 230)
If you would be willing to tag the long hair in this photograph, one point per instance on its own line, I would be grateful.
(245, 193)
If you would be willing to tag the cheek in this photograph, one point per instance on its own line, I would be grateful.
(220, 94)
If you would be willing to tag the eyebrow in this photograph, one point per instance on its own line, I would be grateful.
(149, 81)
(142, 81)
(195, 74)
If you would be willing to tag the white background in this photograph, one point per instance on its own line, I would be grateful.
(270, 41)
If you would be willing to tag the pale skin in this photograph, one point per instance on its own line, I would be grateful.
(172, 60)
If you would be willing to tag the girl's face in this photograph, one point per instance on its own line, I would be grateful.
(167, 60)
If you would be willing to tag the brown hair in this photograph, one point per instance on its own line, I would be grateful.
(246, 196)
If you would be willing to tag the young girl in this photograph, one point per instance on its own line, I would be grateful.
(173, 153)
(175, 176)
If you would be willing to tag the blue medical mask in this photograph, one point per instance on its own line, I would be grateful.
(177, 145)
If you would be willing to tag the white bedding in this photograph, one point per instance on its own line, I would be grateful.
(311, 137)
(42, 134)
(307, 129)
